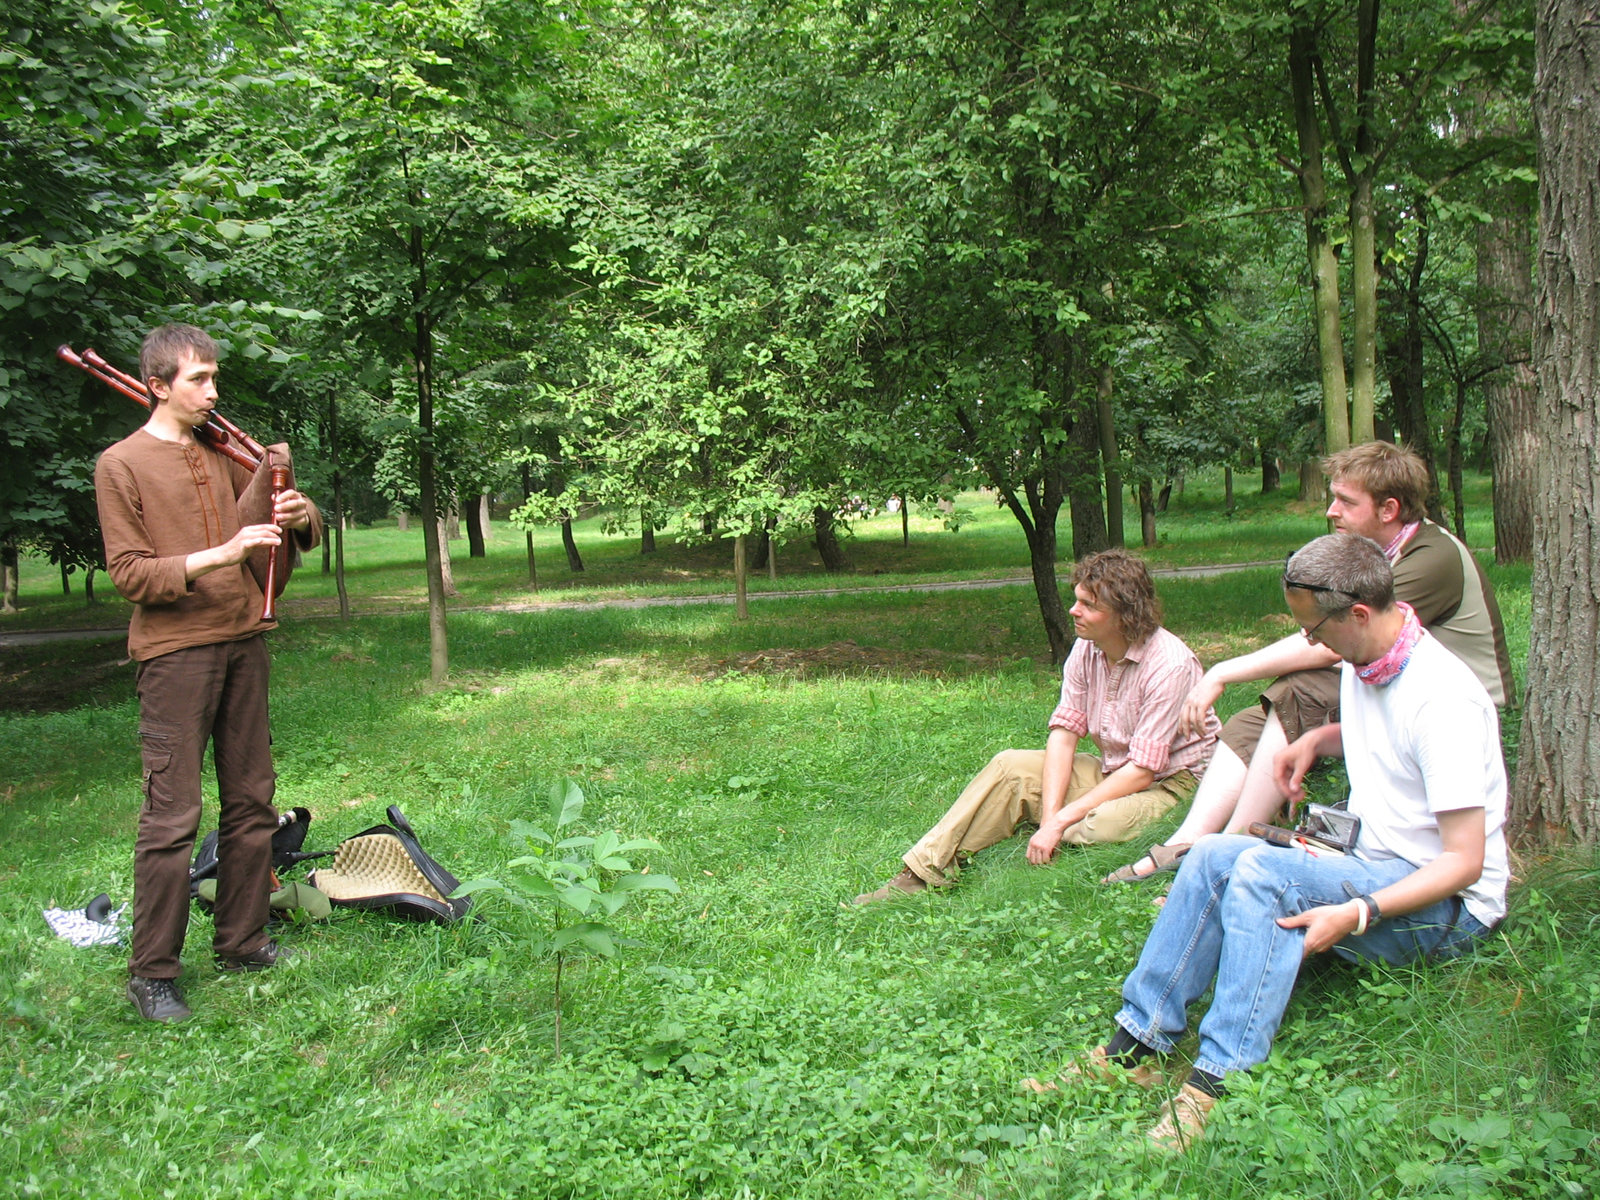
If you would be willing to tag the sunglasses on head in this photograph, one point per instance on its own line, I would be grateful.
(1313, 587)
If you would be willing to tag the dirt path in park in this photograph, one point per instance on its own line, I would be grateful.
(23, 637)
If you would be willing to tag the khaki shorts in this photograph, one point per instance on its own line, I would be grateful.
(1303, 700)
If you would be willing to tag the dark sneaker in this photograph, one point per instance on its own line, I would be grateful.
(157, 999)
(268, 954)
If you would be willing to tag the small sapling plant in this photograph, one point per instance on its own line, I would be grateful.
(580, 882)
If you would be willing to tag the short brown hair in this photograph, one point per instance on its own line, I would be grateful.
(1384, 471)
(162, 351)
(1122, 583)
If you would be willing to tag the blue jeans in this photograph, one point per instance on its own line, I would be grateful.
(1220, 925)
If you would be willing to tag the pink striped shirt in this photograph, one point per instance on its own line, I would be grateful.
(1131, 708)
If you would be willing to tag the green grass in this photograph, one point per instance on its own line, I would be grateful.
(760, 1040)
(384, 565)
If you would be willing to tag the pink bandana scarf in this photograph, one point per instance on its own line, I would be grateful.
(1387, 668)
(1392, 550)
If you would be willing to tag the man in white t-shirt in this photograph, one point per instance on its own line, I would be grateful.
(1427, 875)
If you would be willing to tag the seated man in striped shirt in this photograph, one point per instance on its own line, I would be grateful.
(1124, 686)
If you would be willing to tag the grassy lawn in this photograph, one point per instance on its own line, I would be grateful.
(384, 565)
(759, 1039)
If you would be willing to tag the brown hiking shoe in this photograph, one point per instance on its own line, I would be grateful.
(157, 999)
(1096, 1067)
(907, 883)
(1185, 1119)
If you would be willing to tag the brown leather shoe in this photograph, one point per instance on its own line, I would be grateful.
(1094, 1066)
(1185, 1119)
(157, 999)
(907, 883)
(268, 954)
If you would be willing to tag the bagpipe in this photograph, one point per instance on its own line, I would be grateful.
(270, 566)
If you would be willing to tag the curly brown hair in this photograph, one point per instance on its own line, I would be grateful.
(1120, 582)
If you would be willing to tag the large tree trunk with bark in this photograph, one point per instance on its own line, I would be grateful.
(1324, 265)
(1505, 334)
(1505, 281)
(1557, 792)
(827, 539)
(1083, 490)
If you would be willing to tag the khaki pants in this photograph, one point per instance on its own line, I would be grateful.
(1006, 793)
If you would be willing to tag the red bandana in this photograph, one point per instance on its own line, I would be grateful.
(1387, 668)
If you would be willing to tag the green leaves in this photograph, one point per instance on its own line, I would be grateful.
(590, 876)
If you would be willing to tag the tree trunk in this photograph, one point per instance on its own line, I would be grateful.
(452, 522)
(1405, 362)
(1505, 328)
(1227, 489)
(402, 520)
(1271, 476)
(1110, 457)
(1083, 490)
(1319, 248)
(1558, 776)
(647, 532)
(527, 494)
(432, 544)
(447, 570)
(475, 546)
(905, 521)
(88, 586)
(574, 560)
(337, 540)
(66, 578)
(1364, 236)
(741, 581)
(827, 539)
(1455, 468)
(1147, 513)
(1313, 486)
(1038, 521)
(10, 583)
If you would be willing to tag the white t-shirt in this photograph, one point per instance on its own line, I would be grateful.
(1429, 742)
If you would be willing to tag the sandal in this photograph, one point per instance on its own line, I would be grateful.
(1165, 858)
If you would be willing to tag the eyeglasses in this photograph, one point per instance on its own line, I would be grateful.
(1311, 634)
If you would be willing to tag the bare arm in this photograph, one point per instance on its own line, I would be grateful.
(232, 552)
(1460, 863)
(1056, 816)
(1289, 765)
(1292, 653)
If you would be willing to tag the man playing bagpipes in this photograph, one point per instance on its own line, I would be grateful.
(188, 526)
